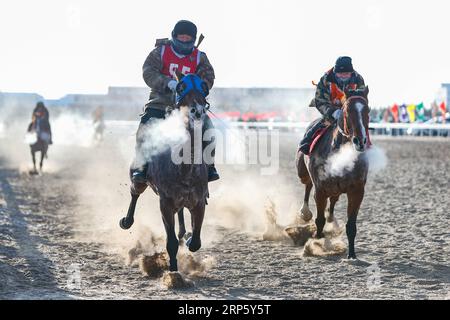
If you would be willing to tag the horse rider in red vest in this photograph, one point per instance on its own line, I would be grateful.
(330, 97)
(178, 53)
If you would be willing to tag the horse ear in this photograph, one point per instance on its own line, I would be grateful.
(366, 91)
(348, 92)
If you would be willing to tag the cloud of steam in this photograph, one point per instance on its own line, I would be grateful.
(344, 160)
(159, 135)
(377, 159)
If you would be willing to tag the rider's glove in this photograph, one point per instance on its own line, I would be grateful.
(172, 85)
(336, 114)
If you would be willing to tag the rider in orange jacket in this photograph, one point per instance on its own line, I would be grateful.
(330, 97)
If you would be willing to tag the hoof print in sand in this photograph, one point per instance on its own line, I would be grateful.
(174, 280)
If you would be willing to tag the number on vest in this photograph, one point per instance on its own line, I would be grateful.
(173, 67)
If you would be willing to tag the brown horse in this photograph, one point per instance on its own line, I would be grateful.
(351, 128)
(179, 185)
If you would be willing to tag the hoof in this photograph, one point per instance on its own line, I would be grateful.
(319, 235)
(306, 214)
(193, 246)
(125, 223)
(351, 257)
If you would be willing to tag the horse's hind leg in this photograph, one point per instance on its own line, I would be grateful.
(197, 214)
(355, 198)
(41, 163)
(182, 227)
(321, 204)
(33, 156)
(306, 213)
(168, 215)
(303, 174)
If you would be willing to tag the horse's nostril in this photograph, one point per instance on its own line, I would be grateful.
(365, 140)
(192, 110)
(355, 140)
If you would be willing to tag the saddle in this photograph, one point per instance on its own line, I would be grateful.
(317, 136)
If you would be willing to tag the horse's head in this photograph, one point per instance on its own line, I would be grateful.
(191, 94)
(355, 120)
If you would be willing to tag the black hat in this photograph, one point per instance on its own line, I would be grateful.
(343, 64)
(185, 27)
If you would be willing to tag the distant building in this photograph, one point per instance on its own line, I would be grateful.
(127, 103)
(17, 105)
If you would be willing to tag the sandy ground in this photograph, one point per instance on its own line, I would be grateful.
(60, 239)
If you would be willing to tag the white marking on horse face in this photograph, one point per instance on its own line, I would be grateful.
(360, 108)
(193, 110)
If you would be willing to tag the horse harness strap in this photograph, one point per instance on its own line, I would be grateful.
(344, 131)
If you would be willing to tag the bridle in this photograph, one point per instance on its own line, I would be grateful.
(344, 131)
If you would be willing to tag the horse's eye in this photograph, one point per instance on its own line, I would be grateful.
(192, 110)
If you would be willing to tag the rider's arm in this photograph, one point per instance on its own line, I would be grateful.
(323, 99)
(151, 71)
(205, 70)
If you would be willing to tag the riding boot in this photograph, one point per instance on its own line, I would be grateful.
(305, 144)
(213, 175)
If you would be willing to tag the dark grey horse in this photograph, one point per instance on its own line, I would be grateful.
(179, 185)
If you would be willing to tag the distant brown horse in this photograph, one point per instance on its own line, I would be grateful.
(183, 185)
(352, 128)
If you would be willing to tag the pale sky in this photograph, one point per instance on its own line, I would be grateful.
(55, 47)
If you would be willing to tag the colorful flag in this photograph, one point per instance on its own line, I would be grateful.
(394, 111)
(412, 112)
(420, 110)
(403, 113)
(443, 108)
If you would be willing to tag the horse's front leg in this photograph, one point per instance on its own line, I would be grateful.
(321, 204)
(197, 214)
(355, 198)
(182, 227)
(168, 215)
(127, 222)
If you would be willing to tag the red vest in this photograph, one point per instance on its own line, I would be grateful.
(171, 61)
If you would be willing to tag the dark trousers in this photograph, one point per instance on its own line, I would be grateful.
(309, 134)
